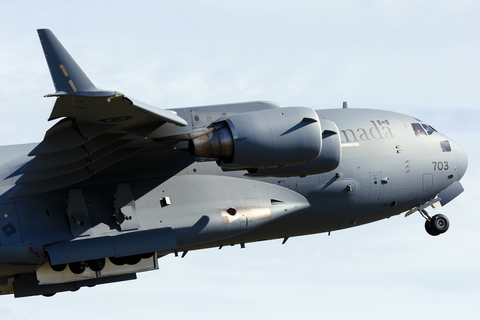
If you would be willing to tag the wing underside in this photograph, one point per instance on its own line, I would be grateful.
(96, 128)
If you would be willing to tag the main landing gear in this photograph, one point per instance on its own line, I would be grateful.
(435, 225)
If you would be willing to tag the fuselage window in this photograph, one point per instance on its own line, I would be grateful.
(418, 129)
(428, 129)
(445, 144)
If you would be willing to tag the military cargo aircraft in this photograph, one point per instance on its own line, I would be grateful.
(117, 183)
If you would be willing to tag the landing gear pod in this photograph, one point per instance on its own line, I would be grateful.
(268, 138)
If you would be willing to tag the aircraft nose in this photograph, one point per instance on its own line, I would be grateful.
(462, 160)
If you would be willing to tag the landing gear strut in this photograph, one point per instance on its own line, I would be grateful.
(435, 225)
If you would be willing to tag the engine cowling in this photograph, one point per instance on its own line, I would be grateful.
(263, 139)
(328, 160)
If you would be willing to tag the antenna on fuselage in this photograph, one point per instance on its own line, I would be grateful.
(345, 105)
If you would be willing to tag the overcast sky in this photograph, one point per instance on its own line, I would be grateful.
(417, 57)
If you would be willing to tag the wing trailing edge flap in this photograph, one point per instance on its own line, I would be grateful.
(67, 134)
(51, 179)
(71, 153)
(127, 244)
(75, 150)
(97, 129)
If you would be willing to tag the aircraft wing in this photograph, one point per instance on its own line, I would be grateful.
(97, 128)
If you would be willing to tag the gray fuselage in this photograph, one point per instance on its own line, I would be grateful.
(386, 168)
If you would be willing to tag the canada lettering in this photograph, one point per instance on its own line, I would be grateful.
(377, 131)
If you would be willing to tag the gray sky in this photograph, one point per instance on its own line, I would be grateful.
(416, 57)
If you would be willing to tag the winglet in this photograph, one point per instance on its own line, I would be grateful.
(68, 78)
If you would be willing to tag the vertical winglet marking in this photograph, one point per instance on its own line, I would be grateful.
(72, 85)
(64, 70)
(59, 61)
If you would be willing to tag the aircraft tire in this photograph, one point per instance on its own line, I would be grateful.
(148, 255)
(119, 261)
(439, 223)
(97, 264)
(429, 229)
(134, 259)
(48, 295)
(59, 267)
(77, 267)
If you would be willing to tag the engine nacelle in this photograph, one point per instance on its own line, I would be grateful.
(328, 160)
(263, 139)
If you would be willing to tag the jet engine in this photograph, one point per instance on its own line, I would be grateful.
(328, 160)
(262, 139)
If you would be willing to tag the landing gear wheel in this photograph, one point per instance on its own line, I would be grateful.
(439, 223)
(147, 255)
(97, 264)
(48, 295)
(119, 261)
(429, 229)
(134, 259)
(77, 267)
(59, 267)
